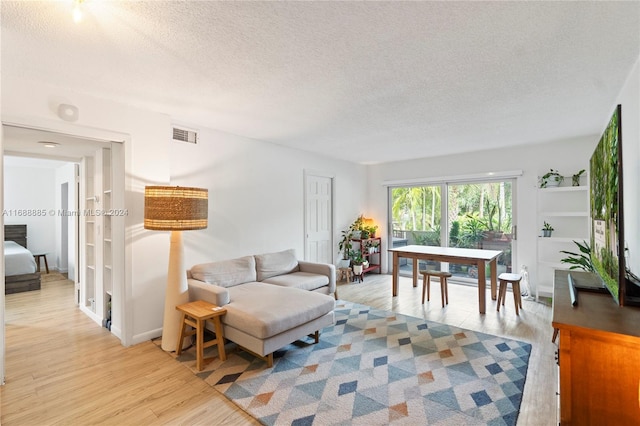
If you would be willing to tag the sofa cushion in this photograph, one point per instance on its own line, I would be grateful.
(264, 310)
(274, 264)
(226, 273)
(301, 280)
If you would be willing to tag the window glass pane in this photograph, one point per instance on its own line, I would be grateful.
(416, 217)
(480, 217)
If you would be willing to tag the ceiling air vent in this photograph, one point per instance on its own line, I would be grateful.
(180, 134)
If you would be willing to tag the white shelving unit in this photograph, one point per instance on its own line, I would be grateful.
(107, 250)
(88, 279)
(96, 281)
(566, 209)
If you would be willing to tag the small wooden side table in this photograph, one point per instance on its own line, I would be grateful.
(344, 274)
(196, 314)
(37, 257)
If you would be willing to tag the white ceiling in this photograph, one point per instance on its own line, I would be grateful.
(11, 161)
(21, 144)
(367, 82)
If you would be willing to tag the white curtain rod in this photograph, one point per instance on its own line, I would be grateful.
(457, 178)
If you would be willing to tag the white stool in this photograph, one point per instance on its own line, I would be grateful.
(514, 279)
(426, 284)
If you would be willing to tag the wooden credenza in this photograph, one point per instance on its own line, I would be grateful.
(599, 356)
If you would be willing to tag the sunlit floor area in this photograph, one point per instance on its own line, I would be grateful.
(62, 368)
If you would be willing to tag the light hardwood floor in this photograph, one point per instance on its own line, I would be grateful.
(62, 368)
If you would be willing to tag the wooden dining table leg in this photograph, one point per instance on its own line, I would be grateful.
(396, 271)
(482, 287)
(415, 271)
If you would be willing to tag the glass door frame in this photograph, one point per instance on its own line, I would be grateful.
(444, 206)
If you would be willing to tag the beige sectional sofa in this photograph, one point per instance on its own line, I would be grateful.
(271, 299)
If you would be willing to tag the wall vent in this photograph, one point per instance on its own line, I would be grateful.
(180, 134)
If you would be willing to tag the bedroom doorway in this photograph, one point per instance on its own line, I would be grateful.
(70, 213)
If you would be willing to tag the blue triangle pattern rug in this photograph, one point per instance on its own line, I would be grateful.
(377, 367)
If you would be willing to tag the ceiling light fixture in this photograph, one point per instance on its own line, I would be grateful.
(77, 11)
(68, 112)
(48, 144)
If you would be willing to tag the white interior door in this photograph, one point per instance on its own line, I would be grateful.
(318, 218)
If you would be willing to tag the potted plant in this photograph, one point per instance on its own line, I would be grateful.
(580, 260)
(357, 260)
(575, 179)
(373, 246)
(551, 179)
(372, 230)
(356, 227)
(345, 247)
(546, 229)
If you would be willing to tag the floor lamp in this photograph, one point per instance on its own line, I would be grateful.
(175, 209)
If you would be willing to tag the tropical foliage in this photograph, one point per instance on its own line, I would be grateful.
(580, 260)
(416, 208)
(604, 205)
(474, 210)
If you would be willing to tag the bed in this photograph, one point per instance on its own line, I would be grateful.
(20, 271)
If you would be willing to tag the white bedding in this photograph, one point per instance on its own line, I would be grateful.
(17, 259)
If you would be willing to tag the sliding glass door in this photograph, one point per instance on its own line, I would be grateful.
(475, 215)
(417, 215)
(480, 217)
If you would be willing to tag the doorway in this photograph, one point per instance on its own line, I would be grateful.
(24, 141)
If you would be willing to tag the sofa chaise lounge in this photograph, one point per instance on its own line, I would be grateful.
(271, 299)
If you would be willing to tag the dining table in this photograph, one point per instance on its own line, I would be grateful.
(465, 256)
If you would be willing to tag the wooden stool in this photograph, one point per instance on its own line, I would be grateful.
(196, 314)
(344, 273)
(426, 284)
(37, 258)
(514, 279)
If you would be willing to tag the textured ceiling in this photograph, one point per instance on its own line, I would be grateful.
(368, 82)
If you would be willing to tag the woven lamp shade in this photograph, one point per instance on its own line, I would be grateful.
(175, 208)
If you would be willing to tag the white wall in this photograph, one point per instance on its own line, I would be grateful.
(567, 156)
(629, 98)
(146, 136)
(256, 194)
(256, 190)
(38, 189)
(32, 189)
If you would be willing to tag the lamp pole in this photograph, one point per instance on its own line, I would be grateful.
(177, 292)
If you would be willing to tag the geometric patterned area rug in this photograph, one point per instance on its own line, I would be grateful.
(377, 367)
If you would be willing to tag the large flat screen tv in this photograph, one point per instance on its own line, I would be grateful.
(607, 213)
